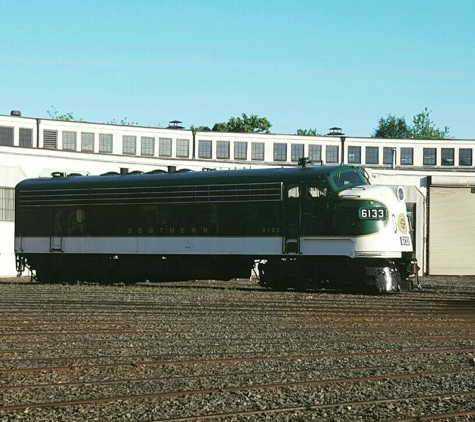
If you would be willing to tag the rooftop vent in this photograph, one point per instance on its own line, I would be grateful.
(335, 131)
(175, 124)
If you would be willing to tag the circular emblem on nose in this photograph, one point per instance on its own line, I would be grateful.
(402, 223)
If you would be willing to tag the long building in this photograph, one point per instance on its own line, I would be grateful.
(438, 175)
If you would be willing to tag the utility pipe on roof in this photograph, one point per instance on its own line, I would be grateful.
(342, 159)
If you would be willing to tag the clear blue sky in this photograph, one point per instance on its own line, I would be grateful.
(302, 64)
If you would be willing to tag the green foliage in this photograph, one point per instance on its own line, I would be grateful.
(200, 128)
(308, 132)
(422, 128)
(122, 122)
(248, 124)
(68, 117)
(392, 127)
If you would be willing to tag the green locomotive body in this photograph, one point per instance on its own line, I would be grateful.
(304, 225)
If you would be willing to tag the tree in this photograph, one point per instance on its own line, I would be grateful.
(308, 132)
(422, 128)
(200, 128)
(68, 117)
(392, 127)
(248, 124)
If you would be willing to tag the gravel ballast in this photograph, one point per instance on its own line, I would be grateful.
(210, 350)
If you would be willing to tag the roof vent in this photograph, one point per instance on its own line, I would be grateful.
(335, 131)
(175, 124)
(16, 113)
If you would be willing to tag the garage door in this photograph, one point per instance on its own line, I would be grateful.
(451, 231)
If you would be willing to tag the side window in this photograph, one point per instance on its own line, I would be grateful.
(315, 190)
(332, 154)
(204, 149)
(447, 156)
(407, 156)
(293, 192)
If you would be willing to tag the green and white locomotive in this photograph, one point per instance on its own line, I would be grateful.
(303, 227)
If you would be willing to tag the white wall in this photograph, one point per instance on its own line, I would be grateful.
(7, 254)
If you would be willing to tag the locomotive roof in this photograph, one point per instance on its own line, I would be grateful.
(185, 177)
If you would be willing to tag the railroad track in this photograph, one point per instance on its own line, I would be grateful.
(231, 351)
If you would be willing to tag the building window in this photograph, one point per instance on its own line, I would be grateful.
(372, 155)
(204, 149)
(332, 154)
(129, 145)
(315, 153)
(388, 155)
(280, 152)
(257, 151)
(87, 142)
(7, 204)
(147, 145)
(296, 152)
(26, 138)
(354, 155)
(465, 156)
(429, 157)
(6, 136)
(222, 149)
(183, 148)
(69, 141)
(240, 150)
(407, 156)
(165, 147)
(105, 142)
(447, 156)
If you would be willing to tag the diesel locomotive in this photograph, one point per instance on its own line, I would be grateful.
(304, 227)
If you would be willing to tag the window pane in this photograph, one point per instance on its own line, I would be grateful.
(222, 149)
(257, 151)
(332, 154)
(204, 149)
(296, 151)
(465, 156)
(407, 155)
(354, 155)
(26, 138)
(87, 142)
(315, 152)
(280, 152)
(129, 144)
(372, 155)
(165, 147)
(240, 150)
(447, 156)
(388, 155)
(7, 204)
(69, 141)
(183, 148)
(147, 145)
(429, 157)
(105, 142)
(6, 136)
